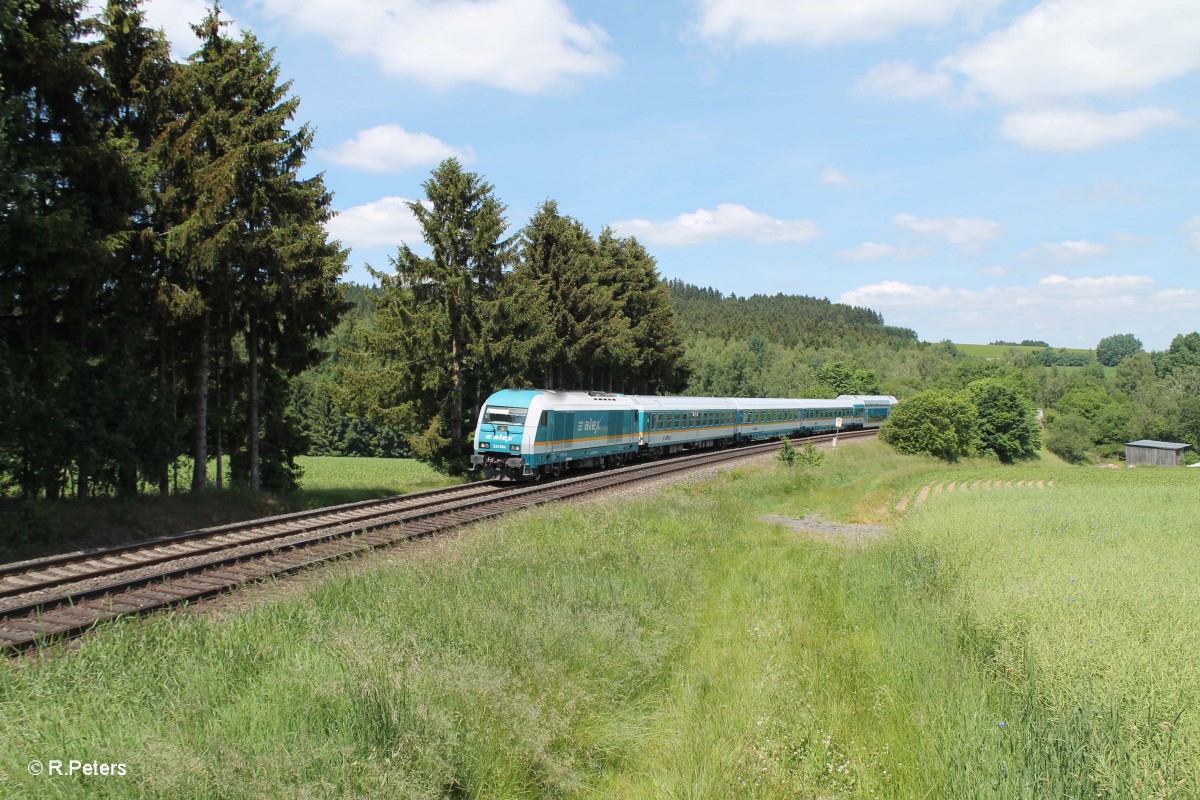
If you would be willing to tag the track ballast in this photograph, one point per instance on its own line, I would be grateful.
(47, 599)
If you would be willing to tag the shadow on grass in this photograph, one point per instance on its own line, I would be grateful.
(33, 528)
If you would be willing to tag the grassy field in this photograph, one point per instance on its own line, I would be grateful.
(1004, 643)
(38, 528)
(999, 350)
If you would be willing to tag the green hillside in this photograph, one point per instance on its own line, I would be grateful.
(786, 320)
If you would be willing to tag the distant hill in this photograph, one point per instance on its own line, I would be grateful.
(1049, 356)
(788, 320)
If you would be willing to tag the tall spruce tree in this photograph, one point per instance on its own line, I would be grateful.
(433, 323)
(250, 254)
(566, 320)
(65, 196)
(658, 365)
(132, 100)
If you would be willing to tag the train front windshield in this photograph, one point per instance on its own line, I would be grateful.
(497, 415)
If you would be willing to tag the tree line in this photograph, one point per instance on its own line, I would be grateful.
(551, 306)
(787, 320)
(1089, 411)
(164, 269)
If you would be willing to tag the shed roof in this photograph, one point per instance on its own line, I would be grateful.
(1159, 445)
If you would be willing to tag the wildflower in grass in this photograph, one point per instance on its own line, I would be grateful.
(1003, 724)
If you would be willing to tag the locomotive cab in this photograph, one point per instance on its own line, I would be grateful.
(500, 435)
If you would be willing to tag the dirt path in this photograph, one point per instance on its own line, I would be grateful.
(839, 533)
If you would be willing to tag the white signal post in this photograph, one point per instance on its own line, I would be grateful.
(837, 425)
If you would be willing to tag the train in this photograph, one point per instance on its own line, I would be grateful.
(528, 434)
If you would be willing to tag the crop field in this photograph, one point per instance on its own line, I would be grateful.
(773, 633)
(998, 350)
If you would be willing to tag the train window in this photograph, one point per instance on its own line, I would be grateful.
(545, 419)
(498, 415)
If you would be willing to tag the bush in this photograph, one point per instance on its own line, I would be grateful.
(1071, 437)
(1006, 424)
(1112, 350)
(788, 454)
(935, 423)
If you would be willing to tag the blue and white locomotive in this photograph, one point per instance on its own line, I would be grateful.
(528, 433)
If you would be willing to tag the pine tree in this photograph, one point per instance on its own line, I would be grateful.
(658, 365)
(132, 101)
(561, 293)
(64, 203)
(247, 239)
(434, 314)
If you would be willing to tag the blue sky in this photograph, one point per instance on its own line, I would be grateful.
(973, 169)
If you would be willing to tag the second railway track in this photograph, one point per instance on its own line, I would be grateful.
(61, 596)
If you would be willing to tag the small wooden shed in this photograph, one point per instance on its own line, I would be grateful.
(1147, 452)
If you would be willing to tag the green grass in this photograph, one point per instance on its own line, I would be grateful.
(29, 529)
(679, 646)
(328, 480)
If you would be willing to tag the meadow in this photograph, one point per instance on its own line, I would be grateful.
(1008, 642)
(999, 350)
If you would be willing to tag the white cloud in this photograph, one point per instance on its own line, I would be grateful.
(1178, 300)
(835, 177)
(867, 251)
(726, 221)
(1192, 226)
(1065, 49)
(1053, 59)
(1065, 311)
(1074, 130)
(969, 233)
(996, 270)
(390, 148)
(1072, 250)
(901, 79)
(1131, 239)
(387, 221)
(522, 45)
(1103, 284)
(819, 22)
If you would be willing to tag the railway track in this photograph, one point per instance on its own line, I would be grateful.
(47, 599)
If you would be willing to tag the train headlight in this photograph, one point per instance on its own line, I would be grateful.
(484, 445)
(516, 448)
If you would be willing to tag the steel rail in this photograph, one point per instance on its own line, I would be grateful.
(71, 612)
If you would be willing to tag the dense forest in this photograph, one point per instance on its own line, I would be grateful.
(164, 266)
(787, 320)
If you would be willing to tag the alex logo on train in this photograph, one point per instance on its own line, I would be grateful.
(588, 426)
